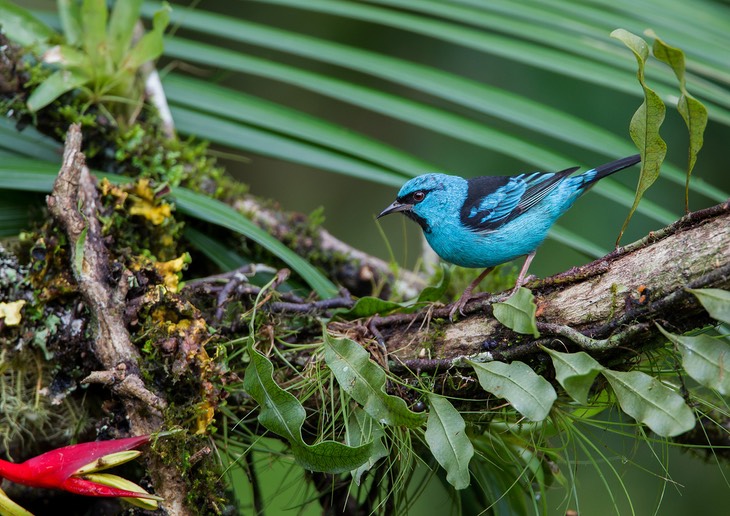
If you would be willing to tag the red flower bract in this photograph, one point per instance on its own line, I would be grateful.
(56, 469)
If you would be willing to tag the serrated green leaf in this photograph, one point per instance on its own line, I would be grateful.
(364, 381)
(283, 414)
(56, 85)
(150, 46)
(706, 359)
(124, 16)
(644, 126)
(447, 440)
(649, 401)
(363, 429)
(693, 112)
(575, 372)
(716, 301)
(529, 393)
(21, 26)
(518, 312)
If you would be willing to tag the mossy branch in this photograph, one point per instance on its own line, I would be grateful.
(75, 205)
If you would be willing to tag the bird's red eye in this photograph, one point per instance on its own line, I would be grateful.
(418, 196)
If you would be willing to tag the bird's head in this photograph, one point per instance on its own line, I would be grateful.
(428, 198)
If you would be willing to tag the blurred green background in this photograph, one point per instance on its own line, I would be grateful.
(350, 203)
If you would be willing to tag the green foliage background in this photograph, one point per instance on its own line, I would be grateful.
(336, 103)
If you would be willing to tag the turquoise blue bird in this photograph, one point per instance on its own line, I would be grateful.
(485, 221)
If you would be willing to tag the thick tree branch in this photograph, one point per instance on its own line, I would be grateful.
(601, 306)
(75, 204)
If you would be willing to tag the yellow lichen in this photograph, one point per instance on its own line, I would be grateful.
(11, 312)
(169, 271)
(145, 204)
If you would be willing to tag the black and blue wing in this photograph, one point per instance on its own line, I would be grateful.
(492, 201)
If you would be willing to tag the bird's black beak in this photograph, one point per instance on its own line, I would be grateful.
(395, 207)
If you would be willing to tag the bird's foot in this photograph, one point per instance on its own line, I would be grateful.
(458, 306)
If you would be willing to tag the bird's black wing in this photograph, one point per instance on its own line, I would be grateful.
(494, 201)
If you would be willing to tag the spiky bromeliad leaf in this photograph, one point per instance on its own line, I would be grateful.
(283, 414)
(706, 359)
(575, 372)
(447, 439)
(644, 127)
(649, 401)
(518, 312)
(692, 110)
(364, 381)
(716, 301)
(363, 429)
(529, 393)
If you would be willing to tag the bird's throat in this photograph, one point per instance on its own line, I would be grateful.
(419, 220)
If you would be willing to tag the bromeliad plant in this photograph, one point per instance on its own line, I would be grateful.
(99, 56)
(76, 469)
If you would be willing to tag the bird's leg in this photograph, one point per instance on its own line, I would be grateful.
(459, 305)
(523, 272)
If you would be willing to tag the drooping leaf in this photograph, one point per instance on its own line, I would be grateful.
(575, 372)
(54, 86)
(649, 401)
(529, 393)
(644, 126)
(364, 381)
(21, 26)
(518, 312)
(706, 359)
(364, 429)
(225, 258)
(447, 440)
(282, 413)
(716, 301)
(693, 112)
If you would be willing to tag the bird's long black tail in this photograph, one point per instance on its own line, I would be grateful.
(609, 168)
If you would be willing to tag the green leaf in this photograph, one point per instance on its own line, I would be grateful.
(94, 16)
(706, 359)
(649, 401)
(716, 301)
(223, 256)
(644, 126)
(149, 46)
(69, 11)
(213, 211)
(575, 372)
(518, 312)
(204, 96)
(21, 26)
(447, 440)
(282, 413)
(529, 393)
(693, 112)
(364, 381)
(433, 293)
(124, 16)
(363, 429)
(368, 306)
(56, 85)
(79, 252)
